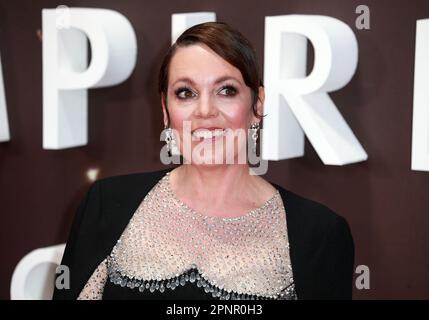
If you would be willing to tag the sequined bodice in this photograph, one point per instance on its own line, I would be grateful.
(167, 244)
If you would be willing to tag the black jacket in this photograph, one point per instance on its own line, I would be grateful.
(321, 244)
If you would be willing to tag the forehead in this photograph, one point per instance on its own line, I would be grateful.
(201, 64)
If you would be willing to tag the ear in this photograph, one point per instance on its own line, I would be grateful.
(260, 104)
(164, 110)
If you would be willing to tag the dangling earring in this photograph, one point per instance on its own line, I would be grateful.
(171, 142)
(254, 135)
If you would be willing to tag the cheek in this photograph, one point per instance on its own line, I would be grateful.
(178, 115)
(237, 115)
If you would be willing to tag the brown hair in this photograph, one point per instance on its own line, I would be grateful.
(229, 44)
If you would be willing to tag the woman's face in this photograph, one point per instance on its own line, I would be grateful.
(208, 95)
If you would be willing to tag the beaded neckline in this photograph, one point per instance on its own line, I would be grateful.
(165, 245)
(192, 275)
(200, 214)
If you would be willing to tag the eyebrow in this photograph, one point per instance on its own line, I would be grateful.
(218, 80)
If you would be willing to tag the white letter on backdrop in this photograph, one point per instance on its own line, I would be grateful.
(66, 74)
(420, 141)
(33, 277)
(4, 123)
(182, 21)
(295, 103)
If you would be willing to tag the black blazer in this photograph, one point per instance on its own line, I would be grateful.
(321, 244)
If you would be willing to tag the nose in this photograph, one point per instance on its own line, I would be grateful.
(205, 107)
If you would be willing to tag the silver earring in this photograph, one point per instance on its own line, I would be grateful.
(254, 135)
(171, 142)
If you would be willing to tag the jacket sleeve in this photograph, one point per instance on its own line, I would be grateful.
(339, 261)
(76, 258)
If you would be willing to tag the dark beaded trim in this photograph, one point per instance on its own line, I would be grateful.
(192, 275)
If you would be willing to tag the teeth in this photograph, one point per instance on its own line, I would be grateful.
(207, 134)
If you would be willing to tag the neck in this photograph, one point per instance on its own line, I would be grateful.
(214, 184)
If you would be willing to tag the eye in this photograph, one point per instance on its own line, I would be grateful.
(184, 93)
(228, 90)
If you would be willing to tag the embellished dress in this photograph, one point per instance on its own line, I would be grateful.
(170, 251)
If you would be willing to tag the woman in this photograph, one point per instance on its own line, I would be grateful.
(210, 228)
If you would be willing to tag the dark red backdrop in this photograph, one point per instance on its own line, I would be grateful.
(385, 202)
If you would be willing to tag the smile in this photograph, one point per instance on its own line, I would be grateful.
(208, 134)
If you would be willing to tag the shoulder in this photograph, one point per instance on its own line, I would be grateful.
(129, 181)
(313, 226)
(128, 187)
(321, 247)
(309, 213)
(99, 221)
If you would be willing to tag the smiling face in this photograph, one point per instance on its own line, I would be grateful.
(209, 94)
